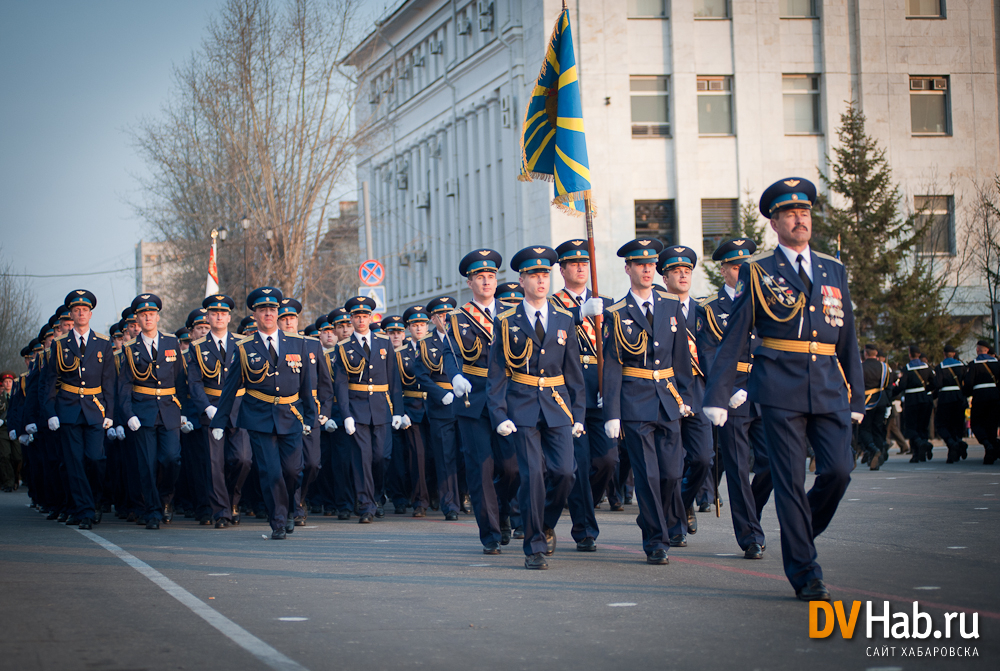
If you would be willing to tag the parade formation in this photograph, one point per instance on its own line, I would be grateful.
(512, 407)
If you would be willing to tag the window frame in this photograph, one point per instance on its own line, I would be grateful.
(814, 4)
(665, 15)
(672, 219)
(947, 132)
(727, 17)
(731, 232)
(817, 96)
(649, 125)
(942, 12)
(709, 93)
(949, 213)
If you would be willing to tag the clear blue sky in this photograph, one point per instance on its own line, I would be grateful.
(75, 76)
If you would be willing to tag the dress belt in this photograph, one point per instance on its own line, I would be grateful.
(153, 391)
(216, 393)
(79, 390)
(800, 346)
(743, 367)
(647, 374)
(986, 385)
(276, 400)
(915, 390)
(952, 388)
(478, 371)
(444, 385)
(415, 394)
(368, 387)
(540, 382)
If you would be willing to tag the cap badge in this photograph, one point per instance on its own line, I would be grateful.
(644, 242)
(80, 292)
(678, 249)
(791, 182)
(266, 291)
(144, 296)
(577, 242)
(538, 250)
(484, 252)
(739, 243)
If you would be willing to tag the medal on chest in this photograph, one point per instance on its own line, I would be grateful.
(294, 362)
(833, 306)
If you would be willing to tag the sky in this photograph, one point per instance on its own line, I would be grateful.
(76, 76)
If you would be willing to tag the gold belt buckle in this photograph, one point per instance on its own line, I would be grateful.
(541, 382)
(813, 347)
(371, 387)
(656, 375)
(157, 392)
(586, 358)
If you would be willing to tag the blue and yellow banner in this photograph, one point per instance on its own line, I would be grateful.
(553, 144)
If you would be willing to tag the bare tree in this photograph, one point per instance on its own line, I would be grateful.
(984, 243)
(18, 317)
(258, 125)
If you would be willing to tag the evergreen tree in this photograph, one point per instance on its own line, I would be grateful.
(897, 298)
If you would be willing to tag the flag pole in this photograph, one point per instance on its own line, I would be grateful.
(598, 319)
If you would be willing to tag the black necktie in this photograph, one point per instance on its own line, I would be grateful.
(83, 346)
(222, 349)
(539, 331)
(803, 276)
(488, 314)
(152, 350)
(649, 312)
(273, 352)
(368, 350)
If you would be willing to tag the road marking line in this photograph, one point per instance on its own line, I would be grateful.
(227, 627)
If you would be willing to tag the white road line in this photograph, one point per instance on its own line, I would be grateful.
(227, 627)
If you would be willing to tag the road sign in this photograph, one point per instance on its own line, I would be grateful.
(377, 294)
(372, 273)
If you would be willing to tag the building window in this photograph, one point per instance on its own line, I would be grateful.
(650, 112)
(929, 105)
(796, 9)
(800, 95)
(718, 221)
(711, 9)
(937, 214)
(925, 8)
(647, 9)
(655, 219)
(715, 105)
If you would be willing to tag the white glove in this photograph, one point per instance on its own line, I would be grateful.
(448, 399)
(349, 426)
(112, 435)
(898, 405)
(857, 417)
(108, 423)
(31, 439)
(25, 439)
(184, 420)
(592, 307)
(407, 423)
(210, 412)
(218, 433)
(329, 426)
(120, 432)
(306, 430)
(738, 399)
(717, 416)
(600, 400)
(53, 423)
(13, 435)
(613, 428)
(686, 410)
(31, 428)
(888, 411)
(461, 386)
(134, 423)
(2, 422)
(397, 421)
(322, 420)
(187, 427)
(577, 429)
(506, 428)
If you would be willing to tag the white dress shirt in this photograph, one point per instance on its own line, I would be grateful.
(274, 340)
(792, 255)
(530, 310)
(492, 307)
(730, 291)
(150, 343)
(81, 338)
(362, 339)
(686, 307)
(642, 301)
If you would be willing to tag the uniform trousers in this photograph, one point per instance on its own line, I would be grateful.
(804, 516)
(596, 456)
(546, 467)
(657, 459)
(279, 464)
(228, 466)
(742, 442)
(484, 452)
(324, 482)
(443, 441)
(83, 455)
(984, 418)
(415, 442)
(916, 427)
(344, 492)
(696, 437)
(949, 423)
(56, 492)
(368, 456)
(397, 481)
(871, 432)
(195, 474)
(311, 462)
(158, 455)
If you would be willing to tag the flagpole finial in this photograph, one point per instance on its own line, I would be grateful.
(215, 233)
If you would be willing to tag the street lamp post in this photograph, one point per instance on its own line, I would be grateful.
(245, 224)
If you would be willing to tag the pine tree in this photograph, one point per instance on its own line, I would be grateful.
(897, 298)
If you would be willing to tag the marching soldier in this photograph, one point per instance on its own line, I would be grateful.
(596, 455)
(277, 408)
(192, 491)
(806, 375)
(9, 459)
(417, 438)
(510, 292)
(440, 310)
(486, 454)
(368, 389)
(397, 481)
(647, 370)
(949, 416)
(742, 440)
(918, 385)
(981, 383)
(343, 477)
(871, 433)
(325, 481)
(536, 392)
(150, 375)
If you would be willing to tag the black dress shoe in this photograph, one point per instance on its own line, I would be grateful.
(205, 521)
(588, 544)
(152, 524)
(657, 557)
(61, 518)
(491, 548)
(329, 513)
(814, 590)
(300, 521)
(755, 551)
(550, 542)
(692, 521)
(278, 535)
(132, 517)
(365, 519)
(289, 526)
(344, 515)
(86, 523)
(617, 507)
(451, 517)
(435, 504)
(222, 523)
(52, 515)
(536, 562)
(419, 512)
(678, 541)
(379, 512)
(98, 515)
(400, 510)
(466, 505)
(72, 521)
(518, 534)
(705, 508)
(505, 533)
(168, 513)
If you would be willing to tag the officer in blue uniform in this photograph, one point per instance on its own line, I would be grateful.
(397, 478)
(981, 383)
(324, 498)
(536, 394)
(150, 375)
(647, 372)
(247, 326)
(742, 440)
(510, 292)
(369, 391)
(343, 477)
(490, 460)
(78, 387)
(918, 404)
(416, 440)
(949, 416)
(806, 375)
(676, 264)
(596, 455)
(276, 409)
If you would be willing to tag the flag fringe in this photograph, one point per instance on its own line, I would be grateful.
(564, 202)
(527, 175)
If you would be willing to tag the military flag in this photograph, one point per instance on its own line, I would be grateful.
(212, 284)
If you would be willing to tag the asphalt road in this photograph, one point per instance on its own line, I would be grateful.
(418, 593)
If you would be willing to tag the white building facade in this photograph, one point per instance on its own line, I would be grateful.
(689, 105)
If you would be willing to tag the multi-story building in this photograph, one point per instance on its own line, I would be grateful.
(155, 269)
(689, 107)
